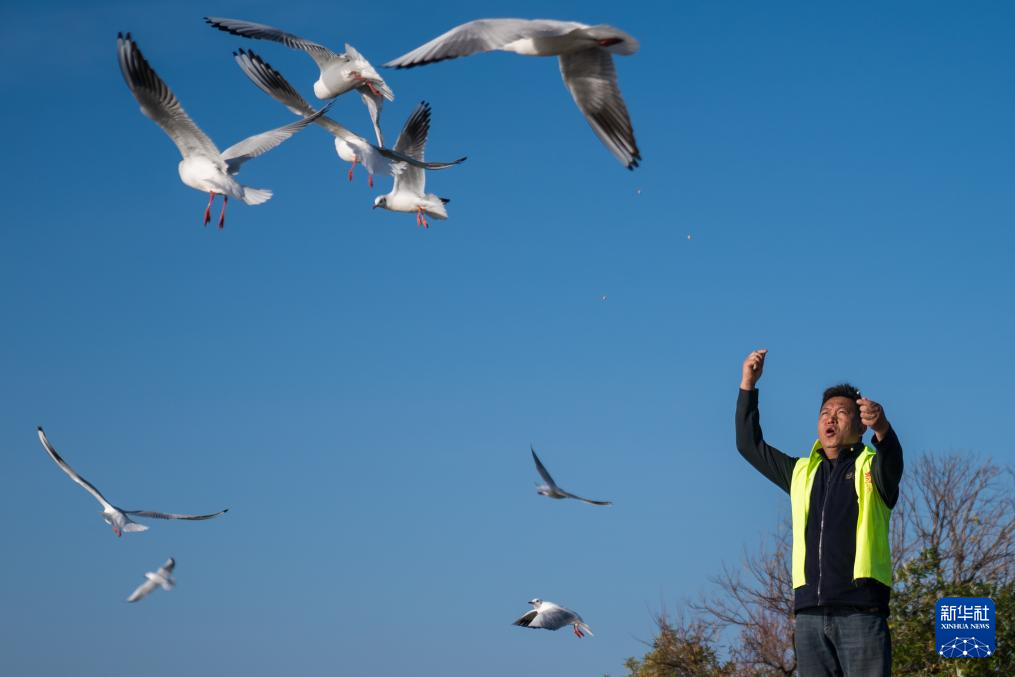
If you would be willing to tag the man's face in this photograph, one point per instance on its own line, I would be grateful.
(839, 423)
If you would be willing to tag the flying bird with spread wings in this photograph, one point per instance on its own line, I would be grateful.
(550, 488)
(204, 167)
(118, 518)
(549, 616)
(163, 577)
(586, 64)
(340, 73)
(408, 192)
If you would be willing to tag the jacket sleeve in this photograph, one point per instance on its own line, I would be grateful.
(765, 458)
(887, 467)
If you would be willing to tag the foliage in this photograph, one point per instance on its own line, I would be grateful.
(921, 582)
(681, 649)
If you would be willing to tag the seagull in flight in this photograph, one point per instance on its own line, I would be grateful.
(551, 489)
(550, 616)
(339, 72)
(161, 577)
(408, 194)
(203, 167)
(350, 147)
(585, 58)
(114, 516)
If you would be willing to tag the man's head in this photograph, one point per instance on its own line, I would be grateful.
(839, 419)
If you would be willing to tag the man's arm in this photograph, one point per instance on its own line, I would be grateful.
(765, 458)
(751, 444)
(887, 466)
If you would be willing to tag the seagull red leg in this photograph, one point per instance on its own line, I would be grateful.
(352, 167)
(222, 215)
(370, 180)
(207, 210)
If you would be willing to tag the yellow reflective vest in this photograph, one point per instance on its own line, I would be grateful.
(873, 555)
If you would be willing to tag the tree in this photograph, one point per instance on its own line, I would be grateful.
(953, 535)
(681, 648)
(758, 604)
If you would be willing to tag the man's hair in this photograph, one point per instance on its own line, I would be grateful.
(847, 390)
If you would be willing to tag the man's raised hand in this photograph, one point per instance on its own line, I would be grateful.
(873, 416)
(753, 366)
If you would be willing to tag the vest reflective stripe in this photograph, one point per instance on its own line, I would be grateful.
(873, 556)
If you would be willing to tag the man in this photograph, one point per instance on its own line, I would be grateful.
(841, 498)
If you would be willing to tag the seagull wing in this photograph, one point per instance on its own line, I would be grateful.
(482, 35)
(373, 104)
(412, 142)
(590, 76)
(554, 618)
(261, 143)
(400, 157)
(271, 82)
(527, 619)
(142, 590)
(172, 516)
(85, 484)
(166, 569)
(585, 500)
(321, 55)
(543, 472)
(159, 103)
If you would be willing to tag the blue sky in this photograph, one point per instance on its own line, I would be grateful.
(362, 393)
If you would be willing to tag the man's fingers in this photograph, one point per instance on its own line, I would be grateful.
(869, 415)
(867, 405)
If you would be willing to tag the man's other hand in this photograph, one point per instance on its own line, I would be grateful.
(753, 366)
(873, 416)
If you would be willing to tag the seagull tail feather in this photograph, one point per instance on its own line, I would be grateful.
(255, 196)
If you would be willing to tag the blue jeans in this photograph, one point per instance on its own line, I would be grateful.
(842, 641)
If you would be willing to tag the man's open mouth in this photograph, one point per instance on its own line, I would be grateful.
(829, 431)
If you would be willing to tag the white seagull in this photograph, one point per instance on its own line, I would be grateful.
(161, 577)
(550, 616)
(203, 167)
(585, 64)
(350, 147)
(339, 72)
(114, 516)
(551, 489)
(409, 191)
